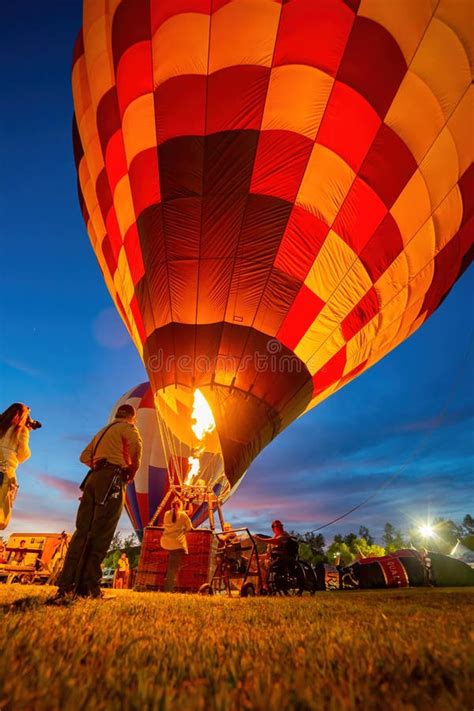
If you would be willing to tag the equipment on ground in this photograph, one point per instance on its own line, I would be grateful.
(34, 557)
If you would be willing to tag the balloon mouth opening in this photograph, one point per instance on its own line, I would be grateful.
(190, 441)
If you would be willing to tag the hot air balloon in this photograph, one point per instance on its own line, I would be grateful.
(278, 192)
(166, 466)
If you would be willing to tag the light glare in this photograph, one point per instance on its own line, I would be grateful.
(426, 531)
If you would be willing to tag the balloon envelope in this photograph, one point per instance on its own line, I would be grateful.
(277, 193)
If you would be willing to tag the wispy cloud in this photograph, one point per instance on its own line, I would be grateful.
(76, 437)
(32, 520)
(435, 422)
(69, 489)
(23, 368)
(295, 509)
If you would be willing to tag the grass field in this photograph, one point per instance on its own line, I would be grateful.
(402, 649)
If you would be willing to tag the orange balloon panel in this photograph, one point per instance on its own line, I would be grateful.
(278, 193)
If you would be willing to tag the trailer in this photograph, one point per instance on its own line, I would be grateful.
(33, 557)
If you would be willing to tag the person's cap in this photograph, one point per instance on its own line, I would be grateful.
(277, 523)
(125, 411)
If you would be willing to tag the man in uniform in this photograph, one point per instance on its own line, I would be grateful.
(114, 456)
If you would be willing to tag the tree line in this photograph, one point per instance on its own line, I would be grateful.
(446, 534)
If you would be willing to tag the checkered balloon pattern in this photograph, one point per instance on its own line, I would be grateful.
(278, 192)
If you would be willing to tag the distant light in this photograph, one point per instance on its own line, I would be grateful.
(426, 531)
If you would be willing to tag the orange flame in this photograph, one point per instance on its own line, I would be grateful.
(202, 424)
(202, 417)
(194, 467)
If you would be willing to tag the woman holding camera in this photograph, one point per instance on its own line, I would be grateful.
(14, 449)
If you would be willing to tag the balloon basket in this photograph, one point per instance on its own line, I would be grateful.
(197, 567)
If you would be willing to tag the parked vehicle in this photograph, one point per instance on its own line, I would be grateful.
(107, 579)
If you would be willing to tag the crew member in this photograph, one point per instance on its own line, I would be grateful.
(114, 456)
(228, 541)
(176, 524)
(230, 558)
(122, 573)
(14, 449)
(228, 535)
(278, 545)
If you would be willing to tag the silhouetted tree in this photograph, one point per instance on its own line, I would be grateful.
(349, 539)
(311, 548)
(350, 547)
(364, 533)
(338, 550)
(392, 538)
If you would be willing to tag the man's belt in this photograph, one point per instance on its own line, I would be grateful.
(122, 472)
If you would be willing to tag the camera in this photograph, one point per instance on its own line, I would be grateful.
(33, 424)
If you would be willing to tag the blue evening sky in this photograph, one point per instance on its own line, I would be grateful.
(65, 352)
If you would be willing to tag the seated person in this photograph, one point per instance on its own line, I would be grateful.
(278, 545)
(229, 547)
(227, 535)
(17, 557)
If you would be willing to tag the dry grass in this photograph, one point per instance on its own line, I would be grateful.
(407, 649)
